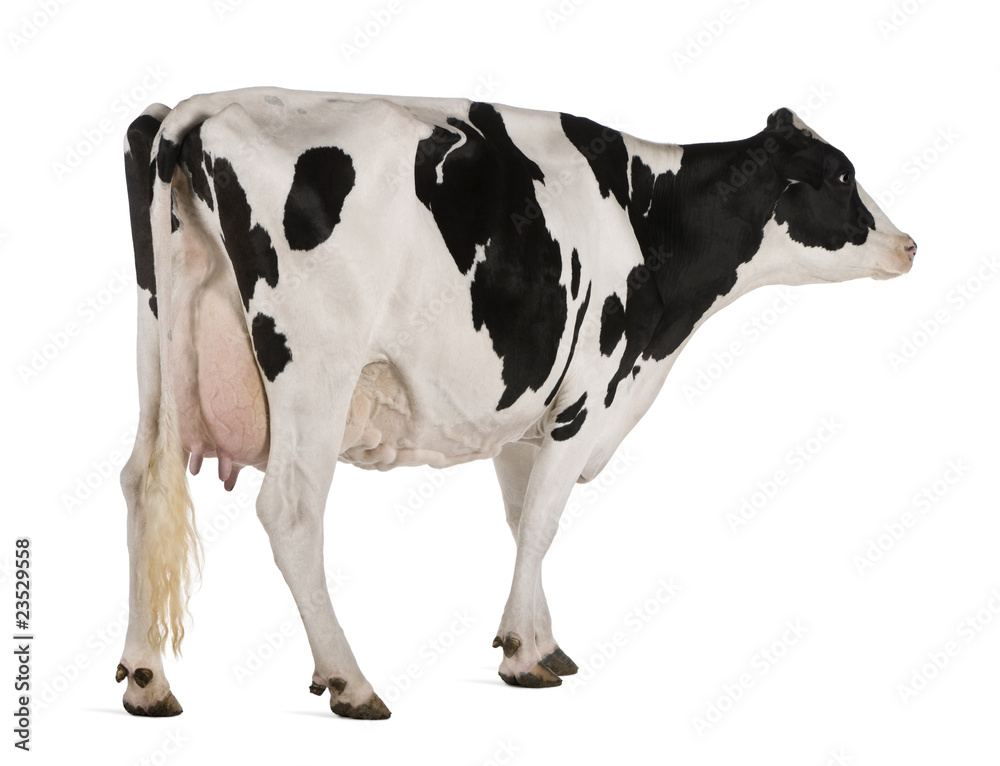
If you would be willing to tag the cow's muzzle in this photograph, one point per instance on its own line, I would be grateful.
(900, 260)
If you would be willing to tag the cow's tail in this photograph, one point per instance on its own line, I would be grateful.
(169, 540)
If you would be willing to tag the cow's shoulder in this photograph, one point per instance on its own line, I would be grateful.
(480, 186)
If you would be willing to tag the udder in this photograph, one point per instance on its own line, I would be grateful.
(226, 409)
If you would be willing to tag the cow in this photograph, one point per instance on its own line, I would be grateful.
(390, 282)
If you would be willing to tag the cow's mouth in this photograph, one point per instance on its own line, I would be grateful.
(882, 274)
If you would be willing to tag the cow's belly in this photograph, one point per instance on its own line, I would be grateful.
(391, 424)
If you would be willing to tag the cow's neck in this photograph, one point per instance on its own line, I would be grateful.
(695, 228)
(711, 220)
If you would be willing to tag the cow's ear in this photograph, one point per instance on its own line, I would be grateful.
(781, 120)
(786, 126)
(805, 165)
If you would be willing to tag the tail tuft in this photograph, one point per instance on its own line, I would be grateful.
(170, 537)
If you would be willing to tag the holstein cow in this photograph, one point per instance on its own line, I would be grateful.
(406, 281)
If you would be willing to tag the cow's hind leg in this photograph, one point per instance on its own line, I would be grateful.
(306, 435)
(148, 692)
(513, 466)
(551, 479)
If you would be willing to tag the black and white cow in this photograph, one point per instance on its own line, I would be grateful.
(288, 246)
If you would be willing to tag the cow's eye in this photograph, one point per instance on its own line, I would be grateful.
(845, 178)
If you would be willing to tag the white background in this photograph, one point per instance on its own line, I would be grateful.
(884, 82)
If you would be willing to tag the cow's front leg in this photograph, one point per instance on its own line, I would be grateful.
(553, 473)
(304, 450)
(513, 466)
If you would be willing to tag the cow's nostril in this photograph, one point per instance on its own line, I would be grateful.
(911, 249)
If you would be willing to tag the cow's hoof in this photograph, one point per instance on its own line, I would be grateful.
(372, 710)
(168, 706)
(317, 689)
(559, 663)
(539, 677)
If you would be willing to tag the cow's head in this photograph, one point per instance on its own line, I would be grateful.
(826, 228)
